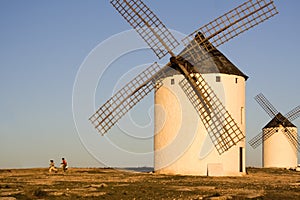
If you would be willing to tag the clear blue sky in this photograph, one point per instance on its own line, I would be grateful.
(44, 43)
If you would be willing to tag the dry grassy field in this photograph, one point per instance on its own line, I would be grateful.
(98, 183)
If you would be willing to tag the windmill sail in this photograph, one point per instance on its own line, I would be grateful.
(266, 105)
(217, 120)
(228, 26)
(259, 138)
(148, 26)
(221, 127)
(126, 98)
(293, 114)
(293, 139)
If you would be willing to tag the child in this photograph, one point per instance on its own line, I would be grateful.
(52, 167)
(64, 164)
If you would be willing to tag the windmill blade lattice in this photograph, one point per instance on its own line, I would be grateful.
(293, 114)
(221, 127)
(266, 105)
(148, 26)
(259, 138)
(127, 97)
(228, 26)
(292, 139)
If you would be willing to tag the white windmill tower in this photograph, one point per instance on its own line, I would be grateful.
(205, 110)
(279, 137)
(181, 132)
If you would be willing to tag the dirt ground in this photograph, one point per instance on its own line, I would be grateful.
(99, 183)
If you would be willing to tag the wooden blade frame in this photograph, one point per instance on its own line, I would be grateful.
(258, 139)
(293, 114)
(272, 112)
(294, 140)
(148, 26)
(127, 97)
(266, 105)
(228, 26)
(221, 127)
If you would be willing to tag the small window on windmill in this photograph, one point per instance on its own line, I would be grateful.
(172, 81)
(218, 78)
(236, 80)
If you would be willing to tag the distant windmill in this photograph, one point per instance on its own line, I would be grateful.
(211, 113)
(279, 137)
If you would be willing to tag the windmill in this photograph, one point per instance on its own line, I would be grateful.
(223, 130)
(279, 137)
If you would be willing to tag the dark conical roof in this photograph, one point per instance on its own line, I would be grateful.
(277, 121)
(220, 64)
(213, 61)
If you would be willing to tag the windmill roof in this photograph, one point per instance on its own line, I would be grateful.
(220, 64)
(213, 62)
(276, 122)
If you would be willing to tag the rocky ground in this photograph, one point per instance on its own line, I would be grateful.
(98, 183)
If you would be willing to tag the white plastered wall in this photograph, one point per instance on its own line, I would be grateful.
(181, 143)
(277, 149)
